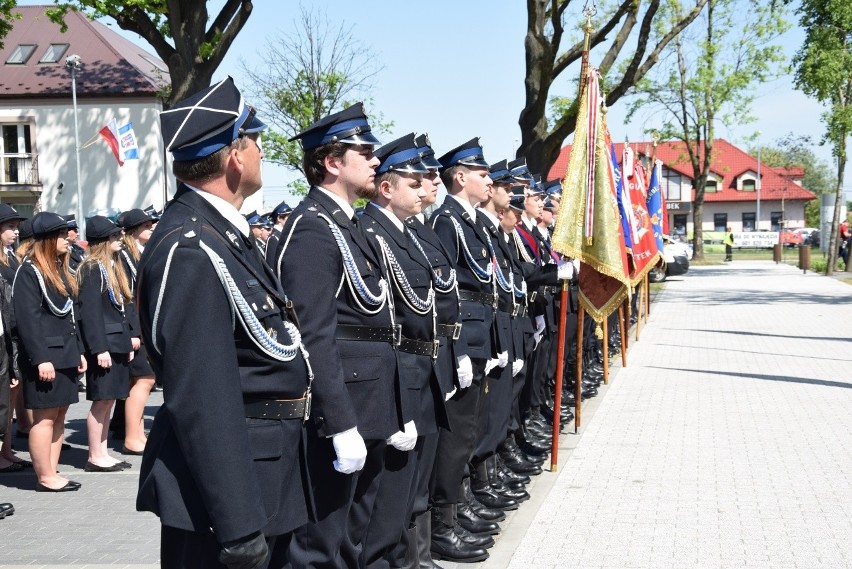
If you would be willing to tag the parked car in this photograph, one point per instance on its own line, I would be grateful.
(677, 257)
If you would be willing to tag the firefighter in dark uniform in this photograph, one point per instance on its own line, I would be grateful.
(223, 466)
(76, 253)
(464, 173)
(279, 216)
(330, 271)
(399, 181)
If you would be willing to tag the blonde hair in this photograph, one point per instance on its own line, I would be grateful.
(131, 245)
(99, 252)
(52, 265)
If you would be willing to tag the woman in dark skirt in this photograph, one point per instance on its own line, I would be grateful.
(138, 226)
(43, 297)
(104, 292)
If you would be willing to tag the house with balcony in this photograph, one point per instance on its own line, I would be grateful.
(731, 192)
(117, 80)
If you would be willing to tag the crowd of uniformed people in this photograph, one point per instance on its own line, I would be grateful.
(342, 388)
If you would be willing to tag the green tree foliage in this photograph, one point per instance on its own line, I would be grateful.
(317, 69)
(6, 17)
(707, 76)
(794, 150)
(824, 71)
(191, 44)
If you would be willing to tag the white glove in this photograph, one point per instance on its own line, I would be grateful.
(565, 270)
(449, 395)
(350, 450)
(465, 371)
(517, 365)
(537, 338)
(539, 323)
(404, 440)
(491, 364)
(503, 359)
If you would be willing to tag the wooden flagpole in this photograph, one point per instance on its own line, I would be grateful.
(624, 329)
(560, 370)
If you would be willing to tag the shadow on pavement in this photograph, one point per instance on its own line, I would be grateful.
(740, 333)
(785, 378)
(806, 356)
(734, 297)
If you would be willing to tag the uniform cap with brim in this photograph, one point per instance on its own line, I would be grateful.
(71, 219)
(282, 209)
(133, 218)
(518, 198)
(208, 121)
(552, 188)
(99, 228)
(254, 219)
(519, 170)
(8, 213)
(499, 173)
(349, 126)
(152, 212)
(402, 156)
(427, 154)
(46, 222)
(468, 154)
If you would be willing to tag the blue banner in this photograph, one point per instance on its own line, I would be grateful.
(655, 205)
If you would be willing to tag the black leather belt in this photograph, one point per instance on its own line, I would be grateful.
(419, 347)
(276, 408)
(391, 335)
(479, 297)
(520, 310)
(449, 330)
(513, 309)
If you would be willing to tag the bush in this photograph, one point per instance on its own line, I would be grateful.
(819, 264)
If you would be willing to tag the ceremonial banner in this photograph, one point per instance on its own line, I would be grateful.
(655, 204)
(645, 253)
(588, 227)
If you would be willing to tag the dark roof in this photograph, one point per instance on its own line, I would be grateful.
(728, 163)
(112, 65)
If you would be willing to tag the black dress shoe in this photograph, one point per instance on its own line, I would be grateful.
(125, 450)
(491, 499)
(481, 510)
(124, 465)
(510, 476)
(446, 545)
(469, 520)
(70, 486)
(92, 467)
(6, 509)
(485, 541)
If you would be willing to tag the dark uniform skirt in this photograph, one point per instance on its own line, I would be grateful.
(140, 367)
(109, 383)
(40, 394)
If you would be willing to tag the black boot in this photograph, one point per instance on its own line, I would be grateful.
(445, 544)
(480, 509)
(485, 493)
(476, 540)
(422, 538)
(498, 482)
(469, 520)
(512, 479)
(515, 461)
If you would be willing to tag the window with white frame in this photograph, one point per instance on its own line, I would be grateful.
(671, 184)
(17, 161)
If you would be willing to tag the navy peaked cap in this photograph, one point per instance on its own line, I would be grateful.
(468, 154)
(427, 155)
(553, 187)
(71, 219)
(99, 228)
(349, 126)
(516, 201)
(282, 209)
(499, 173)
(400, 155)
(208, 121)
(519, 170)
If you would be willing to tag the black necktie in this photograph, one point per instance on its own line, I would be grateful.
(354, 220)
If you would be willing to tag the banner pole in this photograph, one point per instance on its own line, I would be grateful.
(605, 350)
(624, 330)
(560, 370)
(578, 378)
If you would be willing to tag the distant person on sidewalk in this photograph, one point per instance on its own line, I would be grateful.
(844, 242)
(729, 244)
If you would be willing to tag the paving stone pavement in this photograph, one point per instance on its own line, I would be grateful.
(726, 442)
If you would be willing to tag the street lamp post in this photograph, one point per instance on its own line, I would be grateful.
(73, 64)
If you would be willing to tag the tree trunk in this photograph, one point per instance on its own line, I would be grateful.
(834, 242)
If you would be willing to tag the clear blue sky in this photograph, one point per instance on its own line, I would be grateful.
(455, 69)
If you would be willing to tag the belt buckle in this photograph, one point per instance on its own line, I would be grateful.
(397, 334)
(532, 295)
(516, 310)
(495, 301)
(307, 413)
(436, 345)
(457, 330)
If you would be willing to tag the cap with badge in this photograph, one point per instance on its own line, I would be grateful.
(152, 213)
(8, 213)
(553, 188)
(468, 154)
(282, 209)
(208, 121)
(99, 228)
(402, 156)
(349, 126)
(427, 155)
(535, 188)
(500, 174)
(132, 218)
(71, 219)
(45, 223)
(520, 171)
(254, 219)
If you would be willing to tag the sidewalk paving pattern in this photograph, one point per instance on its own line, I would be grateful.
(726, 442)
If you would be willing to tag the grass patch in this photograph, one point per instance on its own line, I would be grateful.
(847, 280)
